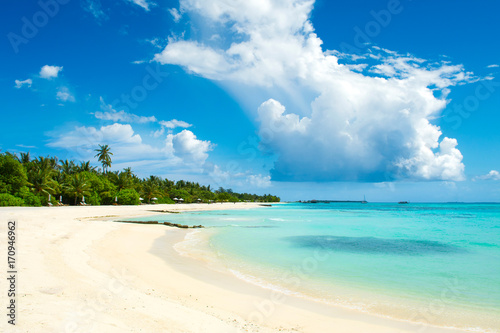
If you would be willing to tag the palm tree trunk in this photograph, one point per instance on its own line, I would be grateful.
(76, 197)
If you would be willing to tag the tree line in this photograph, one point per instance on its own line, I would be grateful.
(42, 181)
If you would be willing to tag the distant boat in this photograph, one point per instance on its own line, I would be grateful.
(403, 202)
(364, 200)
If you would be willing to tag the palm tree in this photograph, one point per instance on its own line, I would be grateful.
(41, 182)
(24, 158)
(85, 166)
(149, 190)
(41, 174)
(128, 172)
(122, 180)
(77, 186)
(47, 163)
(103, 156)
(67, 167)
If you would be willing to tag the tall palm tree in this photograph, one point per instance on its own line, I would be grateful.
(77, 185)
(103, 156)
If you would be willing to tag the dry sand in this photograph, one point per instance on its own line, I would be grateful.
(80, 272)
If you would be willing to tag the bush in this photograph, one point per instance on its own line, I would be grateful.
(10, 200)
(107, 198)
(12, 174)
(165, 200)
(128, 197)
(93, 199)
(103, 190)
(29, 198)
(223, 197)
(188, 198)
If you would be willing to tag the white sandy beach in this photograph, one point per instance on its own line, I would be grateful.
(80, 272)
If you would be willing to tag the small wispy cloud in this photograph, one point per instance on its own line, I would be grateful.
(174, 123)
(94, 7)
(24, 146)
(158, 133)
(171, 125)
(158, 42)
(122, 116)
(175, 14)
(492, 175)
(493, 66)
(144, 4)
(26, 83)
(64, 95)
(108, 113)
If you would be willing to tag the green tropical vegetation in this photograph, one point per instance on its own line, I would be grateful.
(42, 181)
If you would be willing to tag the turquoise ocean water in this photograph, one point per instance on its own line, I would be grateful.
(428, 263)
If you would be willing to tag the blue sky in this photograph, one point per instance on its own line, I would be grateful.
(395, 100)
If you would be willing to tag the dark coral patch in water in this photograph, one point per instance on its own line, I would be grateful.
(375, 245)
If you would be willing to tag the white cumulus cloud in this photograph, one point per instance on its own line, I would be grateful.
(188, 147)
(49, 72)
(124, 143)
(259, 181)
(182, 152)
(364, 120)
